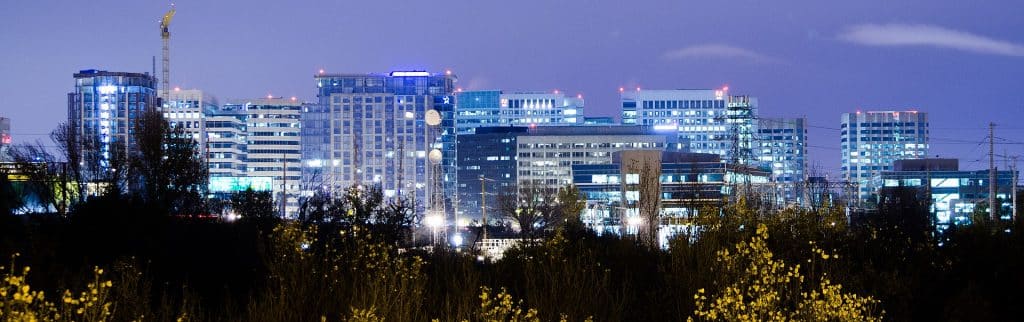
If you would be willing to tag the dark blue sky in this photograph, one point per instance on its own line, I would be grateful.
(960, 61)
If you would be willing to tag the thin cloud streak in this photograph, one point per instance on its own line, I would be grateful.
(715, 51)
(928, 35)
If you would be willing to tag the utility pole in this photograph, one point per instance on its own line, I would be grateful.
(991, 172)
(483, 204)
(1013, 169)
(284, 183)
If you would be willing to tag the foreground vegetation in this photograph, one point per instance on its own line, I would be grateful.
(111, 260)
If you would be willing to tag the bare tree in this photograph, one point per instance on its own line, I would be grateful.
(647, 184)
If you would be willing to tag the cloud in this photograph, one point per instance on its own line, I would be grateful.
(714, 51)
(927, 35)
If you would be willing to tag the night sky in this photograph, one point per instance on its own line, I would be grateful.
(960, 61)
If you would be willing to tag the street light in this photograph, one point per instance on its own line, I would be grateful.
(434, 221)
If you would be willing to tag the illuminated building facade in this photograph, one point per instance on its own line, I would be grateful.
(272, 145)
(187, 109)
(226, 140)
(371, 130)
(475, 109)
(102, 111)
(707, 120)
(781, 145)
(683, 184)
(871, 141)
(953, 193)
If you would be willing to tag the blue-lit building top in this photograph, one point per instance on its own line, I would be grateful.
(103, 109)
(370, 129)
(953, 193)
(476, 109)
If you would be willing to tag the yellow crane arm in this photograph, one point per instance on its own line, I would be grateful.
(166, 22)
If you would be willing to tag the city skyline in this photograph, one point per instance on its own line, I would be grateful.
(858, 56)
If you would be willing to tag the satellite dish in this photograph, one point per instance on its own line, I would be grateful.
(433, 118)
(434, 156)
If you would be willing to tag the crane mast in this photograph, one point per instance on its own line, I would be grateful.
(165, 35)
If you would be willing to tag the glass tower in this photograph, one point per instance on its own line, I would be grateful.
(372, 130)
(102, 111)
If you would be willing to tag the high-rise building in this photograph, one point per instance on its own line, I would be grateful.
(187, 108)
(272, 145)
(5, 139)
(476, 109)
(872, 140)
(102, 111)
(378, 130)
(708, 120)
(226, 140)
(781, 145)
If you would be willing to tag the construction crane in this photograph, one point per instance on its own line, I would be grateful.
(165, 35)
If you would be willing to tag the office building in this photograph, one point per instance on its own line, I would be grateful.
(187, 109)
(871, 141)
(487, 168)
(102, 110)
(373, 129)
(226, 140)
(682, 183)
(273, 149)
(781, 146)
(545, 155)
(475, 109)
(707, 120)
(953, 193)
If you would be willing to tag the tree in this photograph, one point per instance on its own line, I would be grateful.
(571, 205)
(167, 168)
(759, 287)
(254, 205)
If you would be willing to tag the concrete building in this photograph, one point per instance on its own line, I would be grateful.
(476, 109)
(953, 193)
(102, 110)
(272, 145)
(372, 129)
(781, 146)
(872, 140)
(707, 120)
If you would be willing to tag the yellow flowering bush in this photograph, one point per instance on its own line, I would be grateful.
(763, 288)
(501, 307)
(18, 302)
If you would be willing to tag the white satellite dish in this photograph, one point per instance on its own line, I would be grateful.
(433, 118)
(434, 156)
